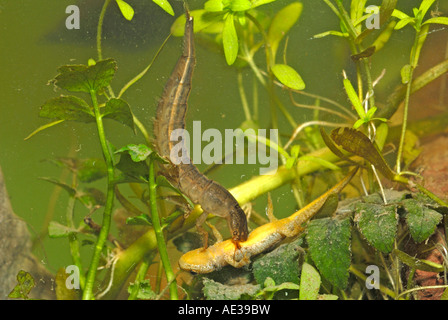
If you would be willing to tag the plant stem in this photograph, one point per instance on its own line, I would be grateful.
(243, 96)
(73, 239)
(104, 232)
(99, 34)
(415, 54)
(144, 266)
(170, 276)
(141, 74)
(99, 30)
(405, 120)
(394, 99)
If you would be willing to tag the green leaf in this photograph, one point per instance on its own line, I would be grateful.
(384, 36)
(282, 23)
(63, 185)
(402, 23)
(425, 5)
(353, 96)
(82, 78)
(416, 49)
(119, 110)
(240, 5)
(418, 264)
(41, 128)
(399, 14)
(89, 170)
(358, 123)
(145, 291)
(257, 3)
(202, 20)
(322, 162)
(422, 221)
(370, 113)
(57, 230)
(126, 9)
(291, 161)
(438, 20)
(230, 40)
(133, 171)
(165, 5)
(378, 223)
(67, 108)
(271, 287)
(405, 73)
(329, 245)
(357, 10)
(214, 6)
(137, 152)
(25, 283)
(140, 220)
(381, 135)
(332, 33)
(288, 76)
(309, 283)
(91, 198)
(279, 265)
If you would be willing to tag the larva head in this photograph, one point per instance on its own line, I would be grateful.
(238, 224)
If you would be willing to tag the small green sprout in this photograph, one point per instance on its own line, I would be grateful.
(364, 116)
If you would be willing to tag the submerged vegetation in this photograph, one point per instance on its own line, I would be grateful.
(357, 250)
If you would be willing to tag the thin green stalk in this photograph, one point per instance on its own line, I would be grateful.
(345, 18)
(142, 129)
(99, 30)
(333, 8)
(243, 97)
(99, 34)
(419, 40)
(255, 98)
(140, 277)
(104, 232)
(170, 276)
(369, 83)
(73, 240)
(405, 117)
(421, 288)
(141, 74)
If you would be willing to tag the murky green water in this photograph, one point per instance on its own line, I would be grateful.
(34, 42)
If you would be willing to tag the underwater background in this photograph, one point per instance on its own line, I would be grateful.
(34, 43)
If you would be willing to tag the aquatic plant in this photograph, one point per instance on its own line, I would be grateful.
(339, 242)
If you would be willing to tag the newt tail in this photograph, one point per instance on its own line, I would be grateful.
(170, 120)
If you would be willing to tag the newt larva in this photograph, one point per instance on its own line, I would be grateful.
(171, 112)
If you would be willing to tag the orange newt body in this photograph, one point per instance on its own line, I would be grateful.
(261, 239)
